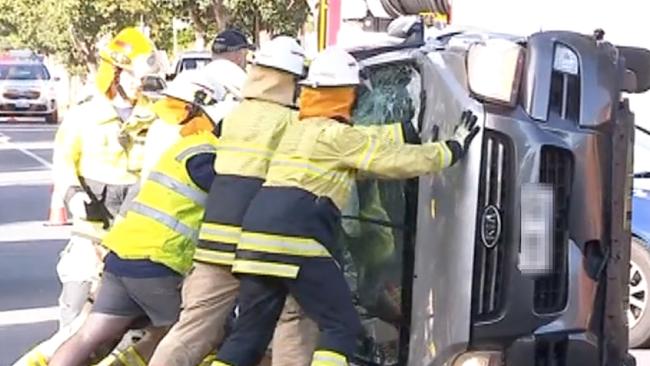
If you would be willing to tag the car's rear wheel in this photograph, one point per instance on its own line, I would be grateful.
(52, 118)
(638, 312)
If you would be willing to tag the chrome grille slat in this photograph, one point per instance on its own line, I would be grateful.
(494, 191)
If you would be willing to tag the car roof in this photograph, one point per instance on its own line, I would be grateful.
(196, 54)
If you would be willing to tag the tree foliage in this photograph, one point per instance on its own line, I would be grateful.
(72, 28)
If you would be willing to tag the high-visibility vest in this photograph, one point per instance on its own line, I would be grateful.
(162, 223)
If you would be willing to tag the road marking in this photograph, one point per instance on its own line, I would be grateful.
(28, 231)
(34, 145)
(25, 178)
(29, 316)
(28, 129)
(7, 144)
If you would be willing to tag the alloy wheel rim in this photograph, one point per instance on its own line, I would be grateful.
(638, 298)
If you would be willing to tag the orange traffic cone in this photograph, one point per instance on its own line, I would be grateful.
(58, 214)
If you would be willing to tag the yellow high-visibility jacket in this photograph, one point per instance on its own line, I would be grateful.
(95, 144)
(162, 222)
(296, 214)
(249, 137)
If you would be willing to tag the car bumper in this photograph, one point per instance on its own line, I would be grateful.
(24, 111)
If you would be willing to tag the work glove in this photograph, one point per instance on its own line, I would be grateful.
(77, 205)
(464, 133)
(466, 129)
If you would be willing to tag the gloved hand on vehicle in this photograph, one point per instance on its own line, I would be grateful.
(464, 133)
(77, 204)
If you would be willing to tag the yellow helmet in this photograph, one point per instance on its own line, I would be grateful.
(129, 50)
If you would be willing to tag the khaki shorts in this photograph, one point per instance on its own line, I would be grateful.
(209, 293)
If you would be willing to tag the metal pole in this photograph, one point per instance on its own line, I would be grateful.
(174, 33)
(322, 25)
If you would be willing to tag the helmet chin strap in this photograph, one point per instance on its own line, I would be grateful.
(194, 108)
(122, 93)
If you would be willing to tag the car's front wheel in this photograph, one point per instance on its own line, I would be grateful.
(638, 313)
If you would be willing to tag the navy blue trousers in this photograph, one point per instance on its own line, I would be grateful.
(321, 291)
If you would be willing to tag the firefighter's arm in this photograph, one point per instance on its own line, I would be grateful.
(398, 133)
(367, 153)
(201, 169)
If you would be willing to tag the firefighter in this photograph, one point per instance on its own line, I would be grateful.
(97, 160)
(151, 248)
(289, 229)
(100, 153)
(248, 135)
(229, 48)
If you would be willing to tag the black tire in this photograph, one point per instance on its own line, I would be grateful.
(640, 257)
(52, 118)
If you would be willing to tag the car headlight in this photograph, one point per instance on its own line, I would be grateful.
(479, 358)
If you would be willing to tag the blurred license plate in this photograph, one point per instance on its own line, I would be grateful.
(537, 220)
(22, 104)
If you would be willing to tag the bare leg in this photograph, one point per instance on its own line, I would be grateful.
(96, 330)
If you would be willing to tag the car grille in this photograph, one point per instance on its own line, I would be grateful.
(21, 94)
(556, 168)
(551, 353)
(493, 224)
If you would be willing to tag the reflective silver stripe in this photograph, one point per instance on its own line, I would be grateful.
(365, 163)
(265, 153)
(328, 358)
(192, 193)
(265, 268)
(333, 175)
(210, 256)
(165, 219)
(446, 155)
(204, 148)
(398, 136)
(222, 233)
(278, 245)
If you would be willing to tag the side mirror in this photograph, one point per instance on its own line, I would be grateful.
(494, 69)
(637, 60)
(170, 77)
(56, 78)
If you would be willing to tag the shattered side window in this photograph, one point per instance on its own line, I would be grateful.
(375, 232)
(391, 93)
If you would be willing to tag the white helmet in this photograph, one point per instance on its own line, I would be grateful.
(227, 74)
(282, 53)
(332, 67)
(186, 85)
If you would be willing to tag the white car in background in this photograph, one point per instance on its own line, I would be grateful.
(189, 61)
(27, 92)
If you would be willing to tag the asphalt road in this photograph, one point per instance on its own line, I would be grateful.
(29, 250)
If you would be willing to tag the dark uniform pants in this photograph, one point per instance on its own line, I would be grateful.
(323, 294)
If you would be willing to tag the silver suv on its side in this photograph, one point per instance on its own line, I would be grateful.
(27, 92)
(519, 255)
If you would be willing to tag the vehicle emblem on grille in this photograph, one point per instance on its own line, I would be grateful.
(490, 226)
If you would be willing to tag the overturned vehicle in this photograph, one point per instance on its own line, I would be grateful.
(520, 254)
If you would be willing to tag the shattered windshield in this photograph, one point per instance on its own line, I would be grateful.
(378, 222)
